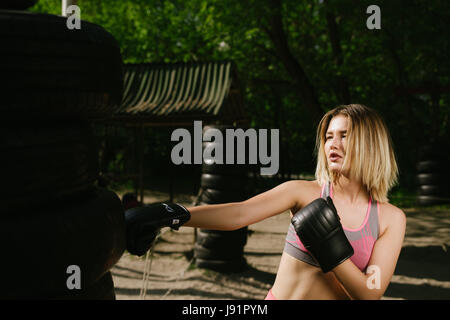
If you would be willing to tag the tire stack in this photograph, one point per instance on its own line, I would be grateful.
(222, 251)
(53, 216)
(433, 175)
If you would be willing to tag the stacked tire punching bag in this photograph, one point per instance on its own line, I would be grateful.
(433, 174)
(221, 251)
(59, 233)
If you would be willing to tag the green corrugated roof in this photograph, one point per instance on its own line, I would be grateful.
(183, 91)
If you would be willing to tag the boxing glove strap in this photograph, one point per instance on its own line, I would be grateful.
(181, 219)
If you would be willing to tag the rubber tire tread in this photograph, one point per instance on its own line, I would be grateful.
(431, 200)
(221, 241)
(231, 253)
(223, 266)
(213, 196)
(429, 179)
(234, 170)
(221, 182)
(237, 232)
(430, 166)
(432, 190)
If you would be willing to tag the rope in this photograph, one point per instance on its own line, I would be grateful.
(149, 259)
(196, 202)
(178, 278)
(147, 267)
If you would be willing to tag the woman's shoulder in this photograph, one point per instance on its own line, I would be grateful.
(305, 191)
(303, 185)
(390, 216)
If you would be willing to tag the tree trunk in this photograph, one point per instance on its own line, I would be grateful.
(342, 90)
(295, 70)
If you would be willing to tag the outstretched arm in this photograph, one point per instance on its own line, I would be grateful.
(144, 223)
(235, 215)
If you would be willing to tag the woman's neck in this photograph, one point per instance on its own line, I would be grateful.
(350, 191)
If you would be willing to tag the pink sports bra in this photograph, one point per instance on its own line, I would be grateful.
(361, 239)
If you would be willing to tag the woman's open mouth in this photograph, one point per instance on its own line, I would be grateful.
(334, 156)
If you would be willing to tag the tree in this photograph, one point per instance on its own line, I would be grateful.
(298, 59)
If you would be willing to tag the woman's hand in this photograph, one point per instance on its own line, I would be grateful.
(319, 228)
(144, 223)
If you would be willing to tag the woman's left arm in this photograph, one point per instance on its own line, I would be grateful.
(382, 262)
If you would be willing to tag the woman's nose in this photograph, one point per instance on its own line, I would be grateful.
(335, 142)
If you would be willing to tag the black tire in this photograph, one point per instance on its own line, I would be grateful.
(431, 152)
(431, 200)
(213, 196)
(224, 169)
(221, 127)
(52, 73)
(234, 163)
(429, 179)
(232, 253)
(43, 165)
(89, 233)
(430, 190)
(238, 232)
(221, 241)
(430, 166)
(234, 169)
(231, 266)
(221, 182)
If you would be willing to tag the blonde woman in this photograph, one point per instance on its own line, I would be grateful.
(344, 238)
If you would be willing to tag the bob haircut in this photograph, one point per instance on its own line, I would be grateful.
(369, 155)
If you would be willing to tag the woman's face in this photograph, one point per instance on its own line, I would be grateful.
(336, 142)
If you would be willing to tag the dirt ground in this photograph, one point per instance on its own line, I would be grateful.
(423, 269)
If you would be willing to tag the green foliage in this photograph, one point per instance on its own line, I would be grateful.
(410, 50)
(403, 198)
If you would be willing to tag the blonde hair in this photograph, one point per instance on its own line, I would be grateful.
(369, 155)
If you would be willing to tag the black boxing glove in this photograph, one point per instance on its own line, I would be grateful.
(319, 228)
(144, 223)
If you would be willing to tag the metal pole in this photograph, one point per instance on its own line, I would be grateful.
(135, 171)
(65, 4)
(141, 163)
(171, 173)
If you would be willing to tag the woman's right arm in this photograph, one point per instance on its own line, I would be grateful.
(235, 215)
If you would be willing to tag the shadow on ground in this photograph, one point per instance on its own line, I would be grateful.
(421, 273)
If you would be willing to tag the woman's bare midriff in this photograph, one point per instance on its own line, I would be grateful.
(297, 280)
